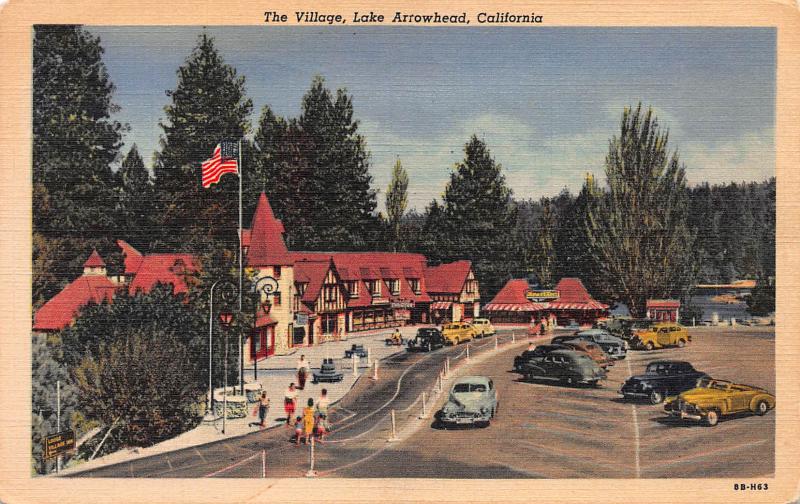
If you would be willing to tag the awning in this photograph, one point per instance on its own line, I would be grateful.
(591, 305)
(514, 307)
(263, 319)
(441, 305)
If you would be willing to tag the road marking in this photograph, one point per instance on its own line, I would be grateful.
(200, 454)
(635, 428)
(232, 466)
(706, 454)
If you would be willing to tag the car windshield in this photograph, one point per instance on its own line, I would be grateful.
(713, 384)
(462, 388)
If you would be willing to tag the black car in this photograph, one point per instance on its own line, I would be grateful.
(633, 325)
(662, 379)
(537, 353)
(357, 350)
(427, 339)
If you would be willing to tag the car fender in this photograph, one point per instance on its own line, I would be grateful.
(761, 397)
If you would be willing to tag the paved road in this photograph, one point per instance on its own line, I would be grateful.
(549, 431)
(361, 426)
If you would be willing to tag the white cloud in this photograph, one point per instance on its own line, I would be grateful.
(751, 156)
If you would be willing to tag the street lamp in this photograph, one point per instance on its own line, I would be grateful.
(268, 285)
(228, 291)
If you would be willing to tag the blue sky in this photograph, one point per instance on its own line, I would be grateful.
(546, 100)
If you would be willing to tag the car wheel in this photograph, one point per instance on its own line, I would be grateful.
(656, 396)
(761, 408)
(681, 343)
(649, 346)
(712, 418)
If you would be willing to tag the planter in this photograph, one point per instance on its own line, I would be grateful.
(252, 391)
(236, 407)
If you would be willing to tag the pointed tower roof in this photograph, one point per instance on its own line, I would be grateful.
(267, 247)
(94, 261)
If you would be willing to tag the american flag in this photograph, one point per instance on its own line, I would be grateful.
(221, 162)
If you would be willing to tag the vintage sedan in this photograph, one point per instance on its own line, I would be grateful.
(458, 332)
(483, 327)
(566, 366)
(661, 335)
(472, 400)
(427, 339)
(537, 353)
(713, 399)
(616, 348)
(662, 379)
(590, 348)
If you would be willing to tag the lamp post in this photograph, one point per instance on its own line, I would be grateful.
(268, 285)
(227, 293)
(225, 318)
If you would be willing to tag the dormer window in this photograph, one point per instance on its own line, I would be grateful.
(352, 288)
(414, 282)
(374, 287)
(394, 286)
(301, 288)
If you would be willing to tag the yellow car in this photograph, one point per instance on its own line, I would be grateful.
(713, 399)
(456, 332)
(483, 327)
(661, 335)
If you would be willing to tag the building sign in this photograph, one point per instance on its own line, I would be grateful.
(58, 444)
(301, 319)
(407, 305)
(541, 295)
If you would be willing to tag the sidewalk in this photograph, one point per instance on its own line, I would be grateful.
(274, 374)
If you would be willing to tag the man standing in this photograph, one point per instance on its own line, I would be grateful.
(302, 372)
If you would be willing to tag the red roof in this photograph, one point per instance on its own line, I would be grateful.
(572, 295)
(266, 245)
(447, 278)
(62, 309)
(360, 266)
(163, 268)
(133, 258)
(512, 298)
(313, 273)
(94, 260)
(663, 303)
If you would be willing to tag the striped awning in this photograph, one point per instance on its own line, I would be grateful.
(441, 305)
(514, 307)
(590, 305)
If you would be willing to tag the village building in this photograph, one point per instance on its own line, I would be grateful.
(568, 302)
(454, 291)
(663, 310)
(141, 273)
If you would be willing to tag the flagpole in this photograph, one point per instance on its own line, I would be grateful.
(241, 347)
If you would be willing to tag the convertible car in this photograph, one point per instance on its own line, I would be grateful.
(713, 399)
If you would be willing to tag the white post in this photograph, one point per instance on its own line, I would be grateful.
(375, 371)
(355, 364)
(311, 472)
(693, 322)
(424, 413)
(263, 463)
(440, 382)
(241, 261)
(495, 343)
(369, 357)
(513, 336)
(467, 352)
(447, 366)
(394, 429)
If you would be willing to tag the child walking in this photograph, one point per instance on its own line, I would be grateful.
(308, 420)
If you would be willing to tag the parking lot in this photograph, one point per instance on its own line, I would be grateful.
(552, 431)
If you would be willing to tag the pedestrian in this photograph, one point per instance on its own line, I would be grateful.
(298, 429)
(290, 402)
(263, 408)
(321, 428)
(302, 372)
(323, 402)
(531, 346)
(308, 420)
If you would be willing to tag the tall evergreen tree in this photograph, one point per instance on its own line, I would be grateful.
(208, 106)
(574, 259)
(479, 216)
(396, 202)
(544, 251)
(137, 196)
(637, 231)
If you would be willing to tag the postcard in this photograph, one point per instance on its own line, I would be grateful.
(412, 252)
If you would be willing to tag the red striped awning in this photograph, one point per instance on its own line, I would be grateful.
(441, 305)
(590, 305)
(514, 307)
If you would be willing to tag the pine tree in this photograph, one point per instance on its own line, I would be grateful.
(137, 207)
(208, 106)
(479, 217)
(637, 230)
(75, 141)
(544, 251)
(574, 259)
(396, 203)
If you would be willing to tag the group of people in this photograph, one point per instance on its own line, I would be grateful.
(314, 418)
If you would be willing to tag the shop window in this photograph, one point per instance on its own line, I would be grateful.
(329, 323)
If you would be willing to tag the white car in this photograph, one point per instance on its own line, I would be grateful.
(483, 327)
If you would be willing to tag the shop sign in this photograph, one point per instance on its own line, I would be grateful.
(541, 295)
(301, 319)
(402, 305)
(58, 444)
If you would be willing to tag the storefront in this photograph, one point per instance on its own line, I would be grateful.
(663, 310)
(511, 305)
(262, 342)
